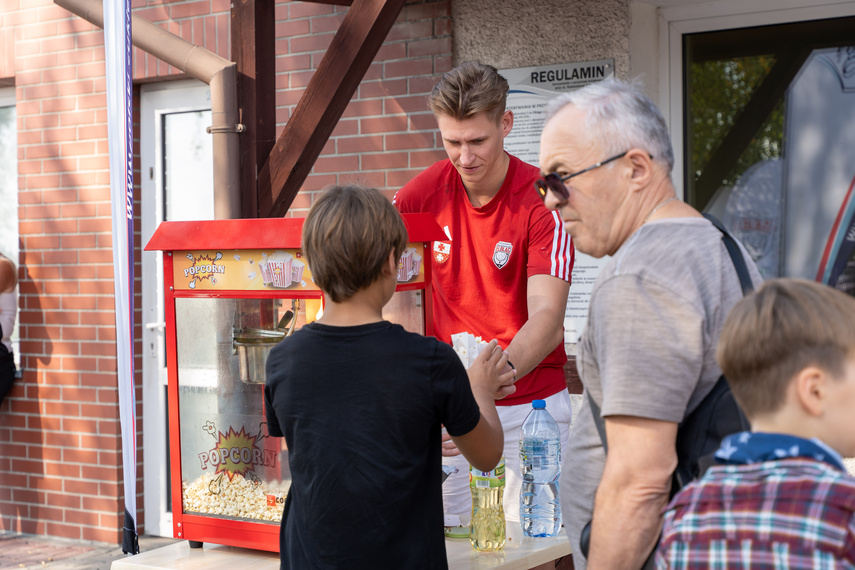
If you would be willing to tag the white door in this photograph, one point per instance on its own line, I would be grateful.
(177, 184)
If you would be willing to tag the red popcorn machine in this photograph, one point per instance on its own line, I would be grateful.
(233, 289)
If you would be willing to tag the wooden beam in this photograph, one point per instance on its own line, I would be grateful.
(332, 86)
(253, 46)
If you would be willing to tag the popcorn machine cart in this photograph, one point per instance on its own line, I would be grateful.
(233, 289)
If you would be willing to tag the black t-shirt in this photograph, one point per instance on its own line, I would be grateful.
(360, 409)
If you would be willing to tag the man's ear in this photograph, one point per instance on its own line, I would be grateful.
(641, 166)
(810, 389)
(507, 122)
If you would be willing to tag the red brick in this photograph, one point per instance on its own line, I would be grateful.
(300, 79)
(409, 141)
(428, 10)
(384, 161)
(300, 61)
(433, 46)
(305, 9)
(318, 42)
(336, 164)
(359, 144)
(442, 65)
(409, 30)
(407, 104)
(391, 51)
(291, 28)
(442, 27)
(346, 127)
(387, 124)
(363, 108)
(77, 118)
(50, 513)
(188, 10)
(317, 182)
(64, 530)
(104, 534)
(330, 23)
(383, 88)
(408, 67)
(423, 122)
(423, 159)
(369, 179)
(397, 178)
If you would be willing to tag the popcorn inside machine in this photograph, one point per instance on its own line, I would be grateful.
(233, 290)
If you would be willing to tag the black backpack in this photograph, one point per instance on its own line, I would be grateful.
(718, 415)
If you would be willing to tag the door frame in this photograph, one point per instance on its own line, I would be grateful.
(157, 100)
(676, 21)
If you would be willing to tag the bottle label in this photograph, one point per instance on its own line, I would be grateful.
(487, 479)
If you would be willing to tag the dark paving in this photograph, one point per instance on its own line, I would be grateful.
(27, 551)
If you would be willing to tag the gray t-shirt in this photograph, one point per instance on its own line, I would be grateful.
(648, 349)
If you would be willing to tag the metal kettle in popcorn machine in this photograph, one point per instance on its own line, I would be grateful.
(233, 290)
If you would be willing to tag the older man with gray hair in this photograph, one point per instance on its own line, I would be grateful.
(647, 355)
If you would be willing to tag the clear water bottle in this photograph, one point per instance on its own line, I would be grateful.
(540, 466)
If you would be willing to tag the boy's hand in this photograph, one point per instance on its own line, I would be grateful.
(491, 372)
(491, 375)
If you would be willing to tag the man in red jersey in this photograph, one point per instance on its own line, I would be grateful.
(504, 271)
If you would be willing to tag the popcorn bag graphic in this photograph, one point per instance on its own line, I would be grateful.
(276, 269)
(297, 270)
(405, 269)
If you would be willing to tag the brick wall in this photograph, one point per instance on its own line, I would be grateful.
(60, 445)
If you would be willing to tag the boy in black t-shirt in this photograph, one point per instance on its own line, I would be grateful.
(360, 402)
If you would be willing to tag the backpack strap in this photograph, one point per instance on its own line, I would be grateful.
(735, 255)
(598, 421)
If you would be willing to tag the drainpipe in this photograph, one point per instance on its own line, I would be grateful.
(206, 66)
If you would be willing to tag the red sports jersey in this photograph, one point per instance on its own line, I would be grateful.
(480, 274)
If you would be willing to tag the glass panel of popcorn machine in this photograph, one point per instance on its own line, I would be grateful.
(406, 308)
(231, 468)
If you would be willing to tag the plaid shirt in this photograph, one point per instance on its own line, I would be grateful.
(790, 513)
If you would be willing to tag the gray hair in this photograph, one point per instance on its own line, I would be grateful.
(620, 116)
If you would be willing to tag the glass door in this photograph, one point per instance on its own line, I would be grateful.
(177, 184)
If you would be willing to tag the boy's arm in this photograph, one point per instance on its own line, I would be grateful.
(483, 446)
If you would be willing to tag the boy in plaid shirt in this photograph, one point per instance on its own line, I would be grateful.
(782, 497)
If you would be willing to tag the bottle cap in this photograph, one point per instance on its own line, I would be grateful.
(538, 404)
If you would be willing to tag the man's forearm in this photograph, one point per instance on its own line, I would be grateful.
(625, 528)
(534, 341)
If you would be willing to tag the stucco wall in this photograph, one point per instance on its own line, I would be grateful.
(507, 33)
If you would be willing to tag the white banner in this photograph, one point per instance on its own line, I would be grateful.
(117, 47)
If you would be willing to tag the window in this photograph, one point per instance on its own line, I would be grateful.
(769, 119)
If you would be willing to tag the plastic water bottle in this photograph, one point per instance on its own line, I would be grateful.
(540, 466)
(487, 529)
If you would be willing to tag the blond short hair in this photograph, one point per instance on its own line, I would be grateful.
(777, 331)
(347, 238)
(470, 88)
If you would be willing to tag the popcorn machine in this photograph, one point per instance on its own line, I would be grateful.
(233, 289)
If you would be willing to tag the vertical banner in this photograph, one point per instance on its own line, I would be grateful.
(120, 126)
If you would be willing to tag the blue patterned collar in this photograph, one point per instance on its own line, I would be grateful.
(756, 447)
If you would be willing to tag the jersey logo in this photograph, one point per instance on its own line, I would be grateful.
(502, 254)
(441, 251)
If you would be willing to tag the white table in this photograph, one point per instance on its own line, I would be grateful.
(519, 553)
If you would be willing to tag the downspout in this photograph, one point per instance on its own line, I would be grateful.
(197, 62)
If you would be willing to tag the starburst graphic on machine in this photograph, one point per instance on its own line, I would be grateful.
(234, 452)
(203, 267)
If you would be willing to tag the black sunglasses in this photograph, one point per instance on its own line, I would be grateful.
(555, 183)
